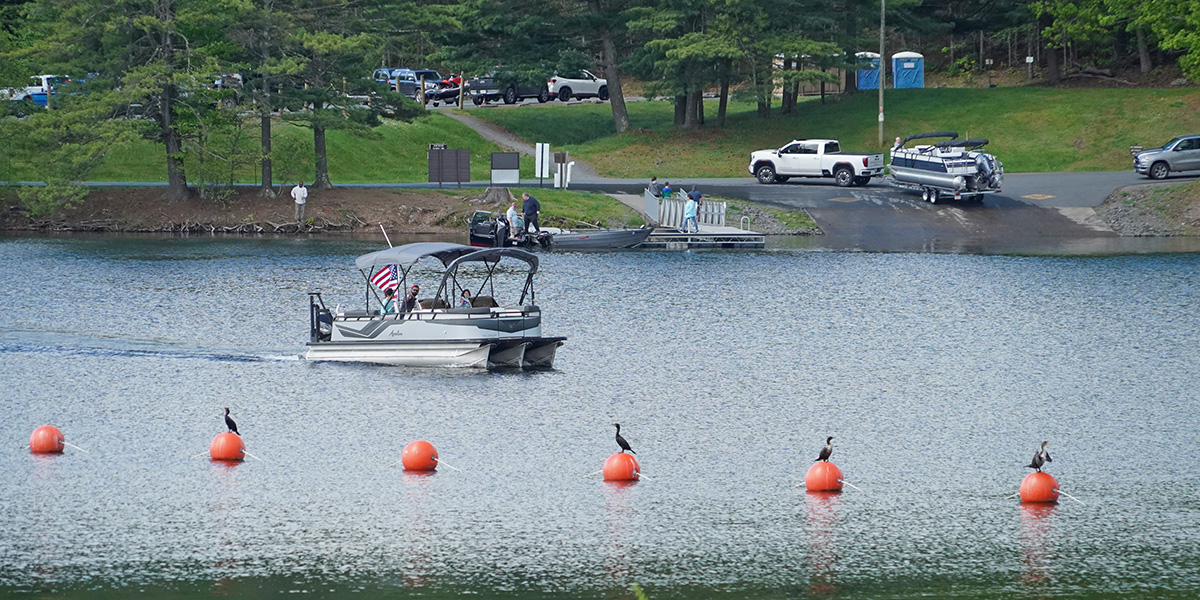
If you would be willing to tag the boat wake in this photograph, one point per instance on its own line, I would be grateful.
(64, 344)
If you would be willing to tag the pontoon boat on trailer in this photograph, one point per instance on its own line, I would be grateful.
(951, 167)
(438, 332)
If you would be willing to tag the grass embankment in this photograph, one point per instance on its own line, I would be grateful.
(394, 152)
(1031, 129)
(564, 208)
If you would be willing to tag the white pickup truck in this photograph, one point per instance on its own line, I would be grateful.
(815, 158)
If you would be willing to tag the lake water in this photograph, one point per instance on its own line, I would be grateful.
(938, 375)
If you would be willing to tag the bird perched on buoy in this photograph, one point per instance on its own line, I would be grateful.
(229, 422)
(1040, 458)
(826, 451)
(621, 441)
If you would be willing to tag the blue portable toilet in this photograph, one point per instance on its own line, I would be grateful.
(908, 70)
(868, 70)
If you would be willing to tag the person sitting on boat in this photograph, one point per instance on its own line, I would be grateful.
(464, 300)
(389, 302)
(410, 300)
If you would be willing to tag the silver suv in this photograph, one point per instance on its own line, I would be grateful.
(1179, 154)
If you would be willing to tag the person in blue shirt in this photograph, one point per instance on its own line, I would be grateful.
(689, 215)
(389, 302)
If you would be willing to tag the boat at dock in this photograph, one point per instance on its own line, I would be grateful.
(444, 329)
(490, 231)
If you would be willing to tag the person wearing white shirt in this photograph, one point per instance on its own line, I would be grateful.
(300, 195)
(512, 217)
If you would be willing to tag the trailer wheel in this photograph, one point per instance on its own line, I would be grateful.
(925, 195)
(933, 196)
(862, 180)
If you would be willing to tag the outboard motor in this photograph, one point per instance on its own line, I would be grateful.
(543, 239)
(500, 238)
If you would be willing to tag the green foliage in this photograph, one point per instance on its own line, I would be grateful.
(41, 201)
(961, 66)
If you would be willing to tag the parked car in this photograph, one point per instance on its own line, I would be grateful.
(584, 86)
(815, 158)
(1179, 154)
(40, 86)
(491, 87)
(404, 81)
(383, 75)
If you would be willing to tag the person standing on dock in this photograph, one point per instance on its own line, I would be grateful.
(300, 195)
(695, 195)
(689, 214)
(654, 188)
(532, 209)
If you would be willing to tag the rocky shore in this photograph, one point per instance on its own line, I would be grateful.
(1155, 209)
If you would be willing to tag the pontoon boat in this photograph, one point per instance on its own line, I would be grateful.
(952, 167)
(440, 331)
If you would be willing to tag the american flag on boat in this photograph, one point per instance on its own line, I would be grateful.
(386, 278)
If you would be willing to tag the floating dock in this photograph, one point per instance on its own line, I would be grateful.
(709, 236)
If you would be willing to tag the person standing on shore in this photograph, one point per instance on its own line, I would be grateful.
(511, 215)
(532, 209)
(300, 195)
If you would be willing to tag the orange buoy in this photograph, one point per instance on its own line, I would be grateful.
(227, 446)
(621, 467)
(1039, 486)
(419, 456)
(46, 439)
(823, 476)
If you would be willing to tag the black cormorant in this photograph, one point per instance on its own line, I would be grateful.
(229, 422)
(621, 441)
(826, 451)
(1040, 458)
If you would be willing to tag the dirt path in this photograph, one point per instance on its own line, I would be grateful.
(580, 172)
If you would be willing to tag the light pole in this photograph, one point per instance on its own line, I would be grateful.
(882, 70)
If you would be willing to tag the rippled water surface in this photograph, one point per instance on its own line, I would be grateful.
(938, 375)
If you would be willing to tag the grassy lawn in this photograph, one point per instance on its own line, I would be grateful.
(1031, 129)
(564, 208)
(394, 152)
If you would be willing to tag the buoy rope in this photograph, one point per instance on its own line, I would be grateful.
(76, 447)
(199, 454)
(1013, 496)
(850, 484)
(594, 473)
(640, 475)
(439, 462)
(1069, 496)
(253, 456)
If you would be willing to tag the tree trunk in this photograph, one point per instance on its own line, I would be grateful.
(268, 185)
(787, 102)
(680, 109)
(1143, 51)
(609, 59)
(321, 182)
(700, 106)
(1053, 74)
(724, 96)
(176, 179)
(851, 85)
(690, 112)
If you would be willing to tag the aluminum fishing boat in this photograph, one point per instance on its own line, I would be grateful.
(447, 328)
(951, 167)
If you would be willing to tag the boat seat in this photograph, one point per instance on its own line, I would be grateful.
(484, 302)
(531, 308)
(433, 303)
(474, 310)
